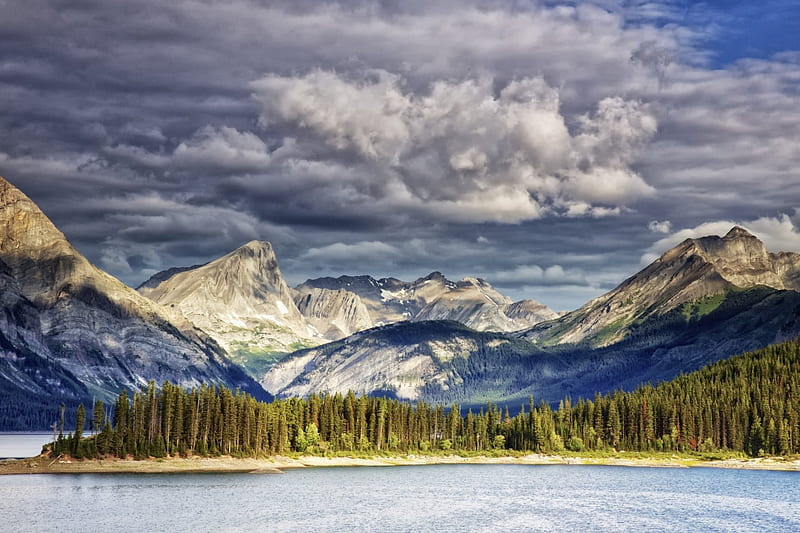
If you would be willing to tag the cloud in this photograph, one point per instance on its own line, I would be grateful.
(654, 57)
(664, 226)
(365, 251)
(535, 276)
(223, 147)
(462, 151)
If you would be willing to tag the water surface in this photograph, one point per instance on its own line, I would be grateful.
(22, 444)
(412, 498)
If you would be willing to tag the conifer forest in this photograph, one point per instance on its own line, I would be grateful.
(749, 403)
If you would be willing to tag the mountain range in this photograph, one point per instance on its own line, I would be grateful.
(243, 302)
(704, 300)
(70, 332)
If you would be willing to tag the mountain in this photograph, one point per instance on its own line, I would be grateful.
(702, 301)
(471, 301)
(335, 314)
(242, 301)
(387, 300)
(71, 330)
(433, 360)
(29, 376)
(696, 276)
(156, 279)
(475, 303)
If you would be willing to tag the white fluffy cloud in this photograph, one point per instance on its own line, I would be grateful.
(462, 151)
(223, 147)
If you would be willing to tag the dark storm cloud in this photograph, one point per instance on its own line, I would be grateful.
(530, 143)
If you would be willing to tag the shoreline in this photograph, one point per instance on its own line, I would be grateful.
(279, 464)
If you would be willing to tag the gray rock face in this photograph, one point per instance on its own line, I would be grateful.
(471, 301)
(25, 358)
(387, 300)
(240, 299)
(411, 361)
(526, 312)
(334, 314)
(695, 270)
(90, 324)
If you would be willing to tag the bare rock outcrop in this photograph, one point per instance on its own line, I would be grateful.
(334, 313)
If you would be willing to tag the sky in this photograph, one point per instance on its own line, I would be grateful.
(551, 148)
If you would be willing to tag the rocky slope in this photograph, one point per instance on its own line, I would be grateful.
(242, 301)
(72, 329)
(433, 360)
(696, 274)
(678, 314)
(471, 301)
(335, 314)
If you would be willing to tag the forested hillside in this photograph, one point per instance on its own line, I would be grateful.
(749, 403)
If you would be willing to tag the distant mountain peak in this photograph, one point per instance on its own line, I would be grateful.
(257, 247)
(738, 232)
(435, 276)
(693, 270)
(470, 301)
(241, 300)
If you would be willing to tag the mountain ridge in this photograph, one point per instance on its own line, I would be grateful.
(80, 323)
(675, 315)
(692, 270)
(257, 318)
(470, 301)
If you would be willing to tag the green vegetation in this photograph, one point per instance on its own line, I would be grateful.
(611, 332)
(749, 404)
(258, 357)
(255, 361)
(702, 307)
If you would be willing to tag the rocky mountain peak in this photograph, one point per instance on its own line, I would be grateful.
(692, 271)
(334, 313)
(738, 232)
(240, 299)
(29, 239)
(742, 259)
(23, 223)
(255, 256)
(256, 249)
(476, 282)
(435, 275)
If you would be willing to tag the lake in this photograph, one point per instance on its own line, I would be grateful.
(23, 444)
(410, 498)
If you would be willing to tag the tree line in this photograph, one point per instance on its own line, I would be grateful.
(749, 403)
